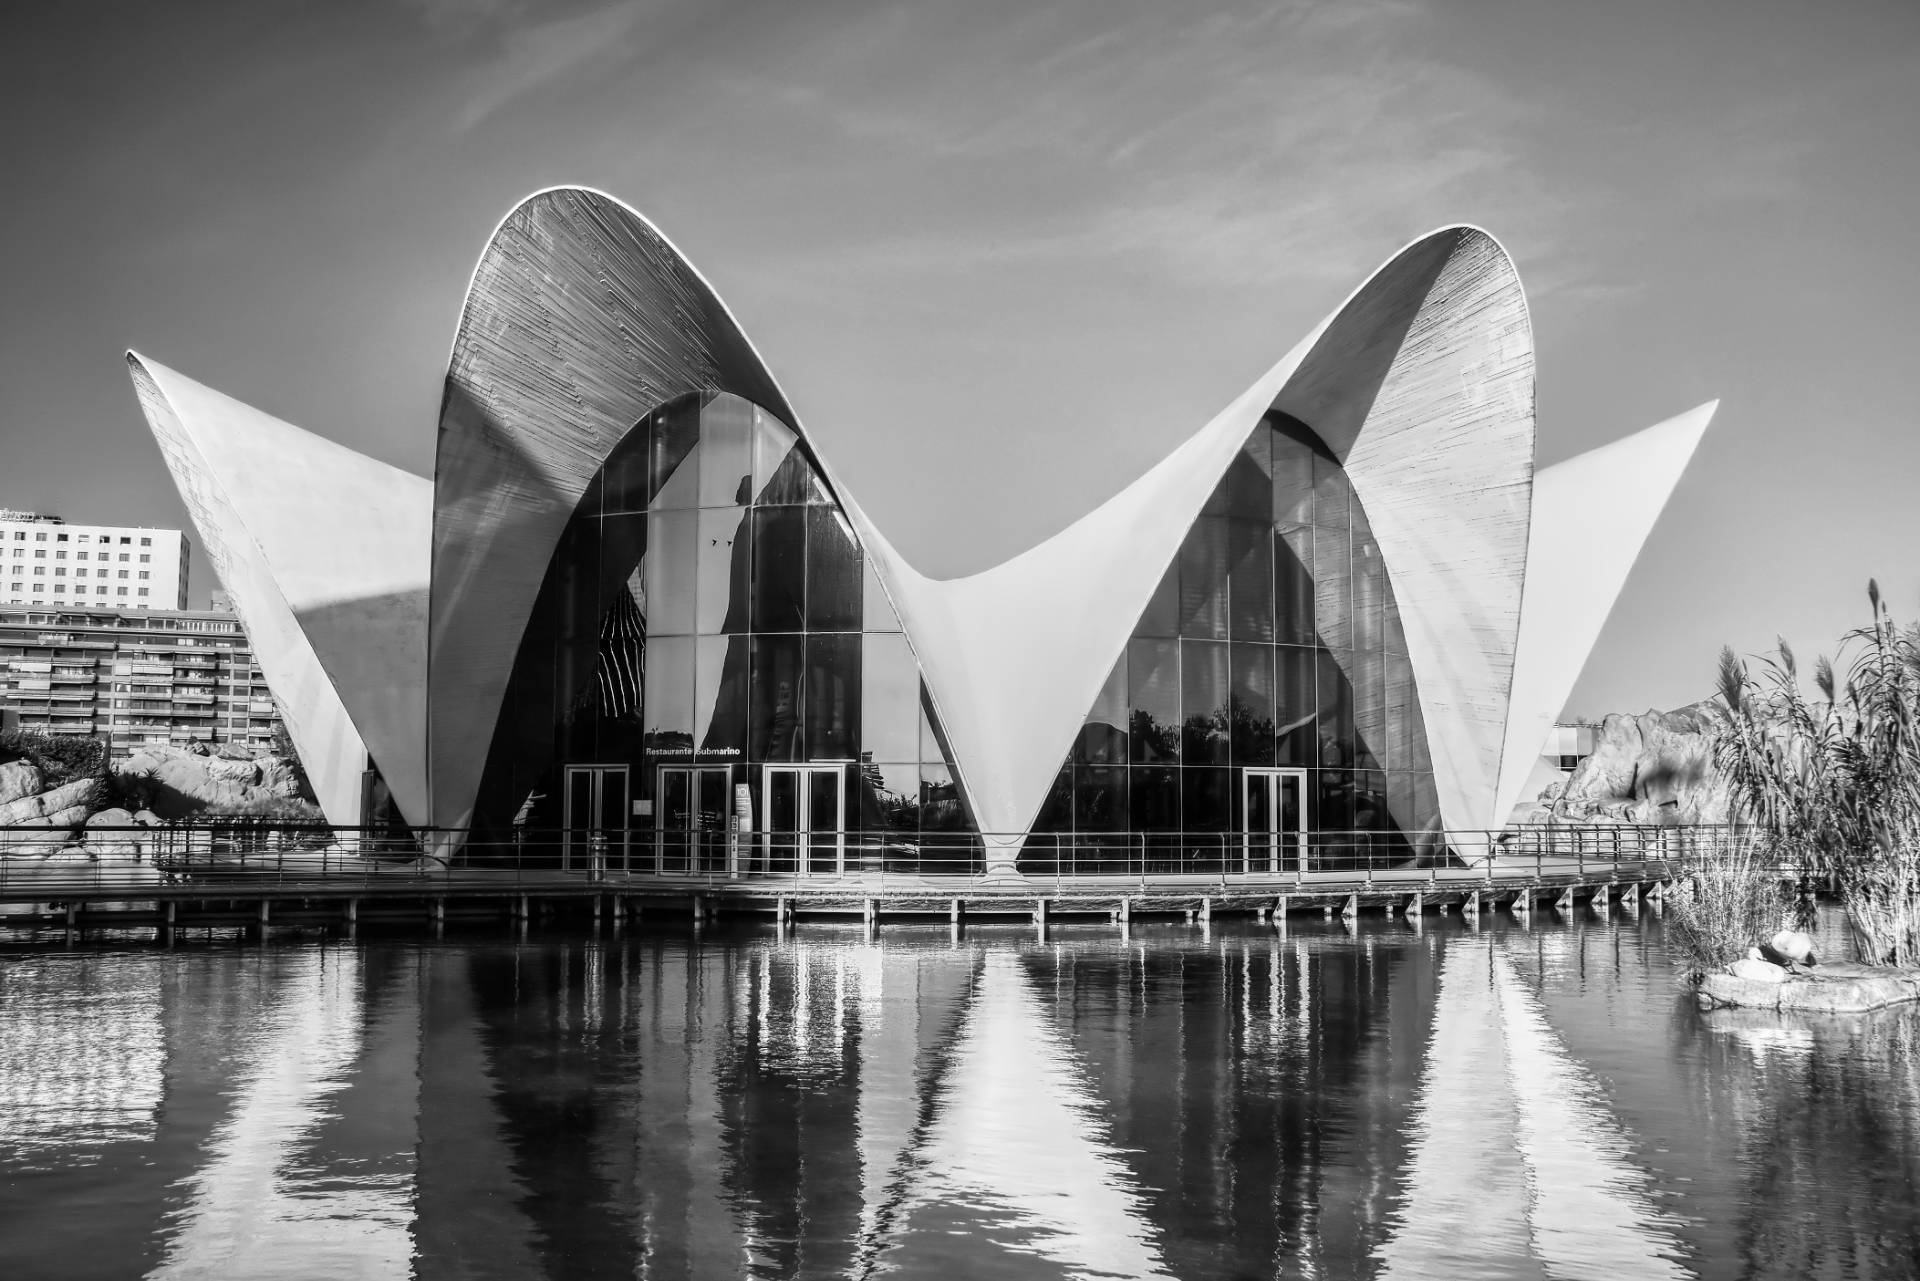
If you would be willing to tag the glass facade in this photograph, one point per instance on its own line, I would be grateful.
(709, 623)
(1272, 643)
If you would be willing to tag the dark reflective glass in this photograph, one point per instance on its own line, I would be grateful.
(832, 696)
(1399, 711)
(1056, 812)
(1204, 702)
(1252, 732)
(1336, 714)
(722, 559)
(626, 478)
(1251, 600)
(779, 569)
(1394, 632)
(890, 699)
(1153, 700)
(1100, 798)
(890, 797)
(1330, 493)
(672, 543)
(1370, 811)
(1426, 803)
(721, 670)
(833, 573)
(940, 807)
(1203, 580)
(781, 472)
(669, 696)
(1250, 480)
(1162, 616)
(1297, 707)
(726, 452)
(1293, 587)
(1103, 739)
(1206, 804)
(1335, 812)
(1368, 675)
(1332, 588)
(1154, 798)
(1369, 596)
(775, 730)
(675, 442)
(1292, 463)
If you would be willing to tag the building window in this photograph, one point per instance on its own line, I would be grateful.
(121, 591)
(59, 555)
(81, 556)
(39, 553)
(125, 540)
(40, 571)
(123, 555)
(144, 558)
(144, 574)
(122, 573)
(60, 538)
(143, 591)
(40, 538)
(79, 573)
(101, 590)
(146, 542)
(59, 571)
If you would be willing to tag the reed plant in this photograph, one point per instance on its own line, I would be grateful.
(1831, 785)
(1733, 899)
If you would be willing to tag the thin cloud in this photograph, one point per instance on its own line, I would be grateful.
(585, 45)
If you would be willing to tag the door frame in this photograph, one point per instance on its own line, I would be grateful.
(578, 837)
(691, 832)
(803, 813)
(1278, 840)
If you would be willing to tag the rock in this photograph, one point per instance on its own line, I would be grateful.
(175, 782)
(110, 818)
(71, 817)
(147, 818)
(1653, 768)
(1757, 971)
(18, 779)
(1794, 946)
(1843, 988)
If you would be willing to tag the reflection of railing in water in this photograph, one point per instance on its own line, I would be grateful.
(435, 861)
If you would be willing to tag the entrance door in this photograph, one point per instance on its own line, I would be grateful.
(691, 830)
(1275, 810)
(805, 830)
(593, 836)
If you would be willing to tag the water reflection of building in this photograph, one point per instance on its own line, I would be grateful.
(634, 605)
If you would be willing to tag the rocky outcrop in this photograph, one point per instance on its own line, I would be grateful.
(1653, 768)
(19, 779)
(176, 782)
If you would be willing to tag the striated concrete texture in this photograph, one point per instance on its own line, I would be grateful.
(1656, 767)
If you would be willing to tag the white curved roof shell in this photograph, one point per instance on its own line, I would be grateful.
(582, 319)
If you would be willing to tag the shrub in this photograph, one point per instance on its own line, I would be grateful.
(60, 758)
(1732, 900)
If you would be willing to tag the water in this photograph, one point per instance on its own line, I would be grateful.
(1448, 1102)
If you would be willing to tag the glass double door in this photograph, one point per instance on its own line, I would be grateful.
(594, 822)
(805, 830)
(1275, 807)
(691, 829)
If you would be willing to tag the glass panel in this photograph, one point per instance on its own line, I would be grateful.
(1330, 491)
(1293, 587)
(1399, 696)
(1292, 822)
(669, 701)
(832, 696)
(715, 808)
(1297, 707)
(1369, 593)
(1100, 798)
(1332, 588)
(1056, 812)
(1206, 805)
(1258, 789)
(675, 443)
(783, 821)
(889, 699)
(781, 472)
(1251, 545)
(876, 612)
(779, 569)
(1162, 616)
(890, 797)
(612, 815)
(726, 430)
(672, 541)
(1426, 803)
(1203, 580)
(722, 557)
(1292, 480)
(1370, 711)
(1103, 739)
(929, 741)
(1336, 714)
(823, 821)
(675, 821)
(1252, 731)
(626, 478)
(1400, 801)
(940, 808)
(720, 697)
(1250, 480)
(1153, 700)
(1396, 636)
(1204, 702)
(833, 573)
(773, 719)
(1154, 798)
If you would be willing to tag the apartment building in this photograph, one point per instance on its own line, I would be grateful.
(159, 676)
(45, 560)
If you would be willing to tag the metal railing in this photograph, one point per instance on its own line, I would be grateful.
(247, 855)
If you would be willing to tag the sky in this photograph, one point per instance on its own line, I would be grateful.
(1004, 256)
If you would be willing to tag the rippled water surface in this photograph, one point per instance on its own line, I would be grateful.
(1450, 1101)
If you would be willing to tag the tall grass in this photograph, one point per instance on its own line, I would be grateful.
(1832, 784)
(1733, 899)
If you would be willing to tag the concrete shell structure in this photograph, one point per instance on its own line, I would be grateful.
(626, 516)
